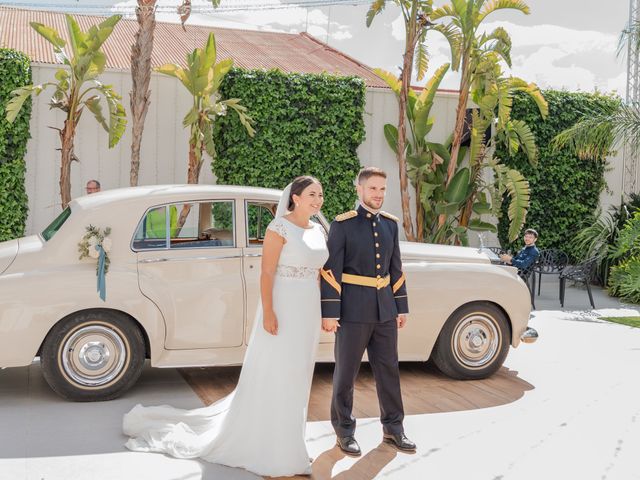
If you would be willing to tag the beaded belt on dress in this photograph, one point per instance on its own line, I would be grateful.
(303, 273)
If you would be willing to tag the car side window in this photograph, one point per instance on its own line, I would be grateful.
(187, 225)
(203, 225)
(259, 214)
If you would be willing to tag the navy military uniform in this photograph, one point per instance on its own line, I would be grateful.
(364, 287)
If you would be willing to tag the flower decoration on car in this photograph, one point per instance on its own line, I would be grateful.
(95, 244)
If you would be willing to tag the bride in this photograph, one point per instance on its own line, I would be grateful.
(260, 426)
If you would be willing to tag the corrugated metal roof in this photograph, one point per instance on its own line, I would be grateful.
(249, 49)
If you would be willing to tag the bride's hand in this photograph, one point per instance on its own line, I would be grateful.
(270, 322)
(330, 325)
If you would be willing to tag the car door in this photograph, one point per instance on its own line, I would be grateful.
(190, 266)
(258, 214)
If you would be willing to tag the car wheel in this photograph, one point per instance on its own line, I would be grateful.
(473, 342)
(93, 356)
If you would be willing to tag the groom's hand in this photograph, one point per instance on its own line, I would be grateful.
(402, 319)
(330, 325)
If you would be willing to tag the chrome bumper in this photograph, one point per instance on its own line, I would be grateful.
(529, 336)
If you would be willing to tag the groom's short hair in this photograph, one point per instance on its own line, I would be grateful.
(367, 172)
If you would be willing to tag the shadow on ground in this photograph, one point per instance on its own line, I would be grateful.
(424, 389)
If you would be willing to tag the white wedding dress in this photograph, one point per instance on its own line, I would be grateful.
(261, 425)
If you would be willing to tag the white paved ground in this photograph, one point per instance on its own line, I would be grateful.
(578, 418)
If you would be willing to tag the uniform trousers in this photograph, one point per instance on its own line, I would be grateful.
(381, 343)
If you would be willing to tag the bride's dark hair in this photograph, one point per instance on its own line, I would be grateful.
(297, 187)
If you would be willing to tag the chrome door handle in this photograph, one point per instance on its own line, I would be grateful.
(252, 254)
(154, 260)
(189, 259)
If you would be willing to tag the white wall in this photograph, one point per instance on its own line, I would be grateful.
(165, 145)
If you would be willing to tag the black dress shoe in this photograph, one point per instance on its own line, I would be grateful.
(400, 441)
(349, 446)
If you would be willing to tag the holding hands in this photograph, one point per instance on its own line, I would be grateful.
(330, 325)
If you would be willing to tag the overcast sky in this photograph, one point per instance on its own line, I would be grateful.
(562, 44)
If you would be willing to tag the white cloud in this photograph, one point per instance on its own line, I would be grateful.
(567, 39)
(342, 35)
(397, 28)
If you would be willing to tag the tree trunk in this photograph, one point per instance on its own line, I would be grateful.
(193, 172)
(140, 75)
(405, 78)
(419, 214)
(66, 157)
(461, 113)
(193, 175)
(476, 171)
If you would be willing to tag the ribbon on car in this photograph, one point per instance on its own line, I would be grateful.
(102, 287)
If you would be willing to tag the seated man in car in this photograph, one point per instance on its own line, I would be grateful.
(525, 258)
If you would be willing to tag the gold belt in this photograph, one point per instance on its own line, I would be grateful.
(366, 281)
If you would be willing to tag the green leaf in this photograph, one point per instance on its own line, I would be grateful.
(420, 160)
(117, 116)
(93, 104)
(19, 96)
(219, 71)
(76, 36)
(391, 135)
(481, 208)
(447, 208)
(50, 34)
(390, 79)
(376, 7)
(478, 225)
(425, 101)
(421, 60)
(173, 70)
(458, 188)
(518, 190)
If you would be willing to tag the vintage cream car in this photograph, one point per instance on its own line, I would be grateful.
(187, 296)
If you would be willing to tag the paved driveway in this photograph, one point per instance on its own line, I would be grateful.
(578, 418)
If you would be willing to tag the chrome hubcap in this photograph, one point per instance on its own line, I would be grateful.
(94, 355)
(476, 340)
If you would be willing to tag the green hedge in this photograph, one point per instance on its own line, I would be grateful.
(565, 190)
(624, 279)
(15, 71)
(306, 124)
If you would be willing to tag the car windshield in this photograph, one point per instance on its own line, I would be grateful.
(54, 226)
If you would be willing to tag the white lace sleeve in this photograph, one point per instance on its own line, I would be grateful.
(278, 225)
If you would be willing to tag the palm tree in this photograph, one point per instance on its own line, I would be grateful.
(416, 15)
(202, 78)
(466, 19)
(607, 127)
(76, 87)
(141, 52)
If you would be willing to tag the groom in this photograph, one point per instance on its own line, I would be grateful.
(364, 301)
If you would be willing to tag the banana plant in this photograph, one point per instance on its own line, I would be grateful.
(423, 157)
(416, 15)
(466, 20)
(76, 87)
(493, 93)
(447, 209)
(202, 78)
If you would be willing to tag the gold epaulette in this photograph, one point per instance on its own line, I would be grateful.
(388, 215)
(346, 215)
